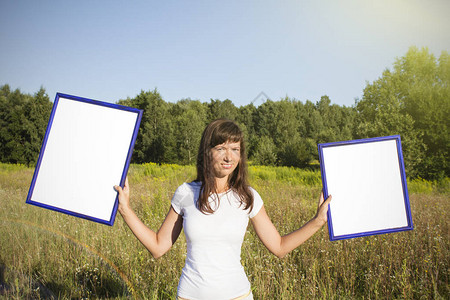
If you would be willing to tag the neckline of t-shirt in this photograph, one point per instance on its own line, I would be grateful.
(224, 193)
(198, 183)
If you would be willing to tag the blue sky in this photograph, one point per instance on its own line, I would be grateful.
(111, 50)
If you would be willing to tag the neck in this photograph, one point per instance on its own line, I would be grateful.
(222, 184)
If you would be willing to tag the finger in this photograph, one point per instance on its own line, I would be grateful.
(126, 181)
(328, 200)
(118, 188)
(321, 198)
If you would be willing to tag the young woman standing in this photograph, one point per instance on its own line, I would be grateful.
(214, 211)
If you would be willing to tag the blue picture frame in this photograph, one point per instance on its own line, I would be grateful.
(367, 181)
(87, 148)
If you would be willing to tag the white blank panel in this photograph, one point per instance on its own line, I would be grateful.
(366, 182)
(86, 152)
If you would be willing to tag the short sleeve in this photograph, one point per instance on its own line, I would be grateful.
(177, 198)
(257, 203)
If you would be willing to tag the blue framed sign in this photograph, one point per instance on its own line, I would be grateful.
(368, 183)
(86, 150)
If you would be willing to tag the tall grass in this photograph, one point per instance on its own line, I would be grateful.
(45, 254)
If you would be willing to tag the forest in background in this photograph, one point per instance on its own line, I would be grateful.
(412, 99)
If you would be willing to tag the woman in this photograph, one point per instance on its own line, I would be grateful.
(214, 211)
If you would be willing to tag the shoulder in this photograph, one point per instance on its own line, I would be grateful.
(188, 187)
(254, 192)
(185, 195)
(257, 203)
(256, 196)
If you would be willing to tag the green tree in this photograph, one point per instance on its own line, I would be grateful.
(424, 89)
(265, 152)
(286, 136)
(245, 120)
(5, 109)
(263, 119)
(337, 121)
(190, 119)
(413, 100)
(313, 121)
(222, 109)
(380, 115)
(36, 114)
(280, 121)
(308, 120)
(155, 138)
(23, 120)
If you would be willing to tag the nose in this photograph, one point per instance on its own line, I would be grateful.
(227, 155)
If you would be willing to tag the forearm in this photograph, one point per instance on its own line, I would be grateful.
(145, 235)
(294, 239)
(157, 243)
(282, 245)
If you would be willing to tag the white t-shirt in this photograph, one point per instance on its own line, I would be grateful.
(213, 268)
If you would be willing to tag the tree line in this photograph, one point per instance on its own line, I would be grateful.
(412, 100)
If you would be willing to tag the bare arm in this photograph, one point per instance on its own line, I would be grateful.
(159, 242)
(282, 245)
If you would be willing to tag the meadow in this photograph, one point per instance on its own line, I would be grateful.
(46, 254)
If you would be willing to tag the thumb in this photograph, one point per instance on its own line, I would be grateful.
(118, 188)
(326, 201)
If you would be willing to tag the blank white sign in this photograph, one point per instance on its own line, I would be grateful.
(85, 153)
(367, 181)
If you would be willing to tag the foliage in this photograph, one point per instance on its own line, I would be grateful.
(289, 175)
(23, 120)
(153, 142)
(189, 118)
(412, 100)
(265, 152)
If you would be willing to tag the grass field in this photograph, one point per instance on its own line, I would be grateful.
(45, 254)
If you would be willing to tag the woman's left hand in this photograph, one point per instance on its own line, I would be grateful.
(124, 196)
(322, 209)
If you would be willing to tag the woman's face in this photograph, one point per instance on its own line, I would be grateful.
(225, 158)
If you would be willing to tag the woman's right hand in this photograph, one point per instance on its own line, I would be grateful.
(124, 195)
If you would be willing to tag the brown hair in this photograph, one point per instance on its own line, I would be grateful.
(218, 132)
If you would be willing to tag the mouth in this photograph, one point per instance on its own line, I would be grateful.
(227, 166)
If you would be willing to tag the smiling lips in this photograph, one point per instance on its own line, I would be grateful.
(227, 166)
